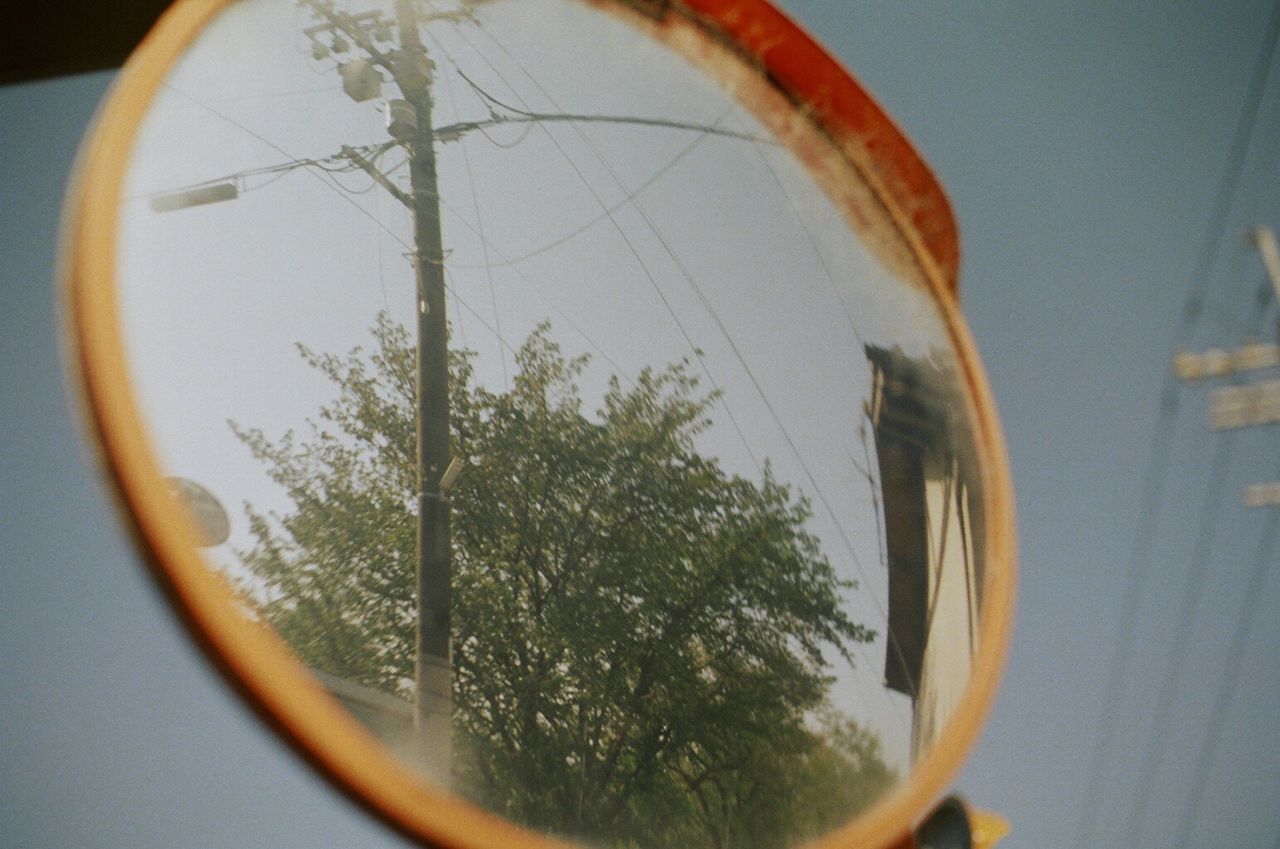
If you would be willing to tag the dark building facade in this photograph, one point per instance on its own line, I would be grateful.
(933, 520)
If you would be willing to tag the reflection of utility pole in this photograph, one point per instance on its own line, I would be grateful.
(409, 122)
(1246, 405)
(434, 697)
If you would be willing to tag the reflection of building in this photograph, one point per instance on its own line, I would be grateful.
(933, 533)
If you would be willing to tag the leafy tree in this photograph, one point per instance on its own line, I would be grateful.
(640, 638)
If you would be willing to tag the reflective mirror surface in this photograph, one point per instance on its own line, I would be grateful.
(581, 419)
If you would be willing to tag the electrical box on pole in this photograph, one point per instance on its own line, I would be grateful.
(360, 80)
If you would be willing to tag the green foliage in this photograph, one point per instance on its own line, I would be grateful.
(640, 639)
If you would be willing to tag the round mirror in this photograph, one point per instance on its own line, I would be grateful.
(577, 434)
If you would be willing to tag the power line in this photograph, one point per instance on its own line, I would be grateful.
(326, 183)
(1157, 733)
(1134, 589)
(764, 398)
(490, 247)
(653, 281)
(697, 352)
(813, 243)
(486, 325)
(587, 119)
(342, 191)
(1157, 730)
(891, 637)
(229, 120)
(873, 485)
(1262, 567)
(274, 94)
(377, 235)
(484, 243)
(494, 249)
(604, 214)
(524, 134)
(382, 278)
(1139, 564)
(830, 277)
(751, 375)
(746, 367)
(278, 170)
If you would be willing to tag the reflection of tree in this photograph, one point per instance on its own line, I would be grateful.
(798, 784)
(639, 636)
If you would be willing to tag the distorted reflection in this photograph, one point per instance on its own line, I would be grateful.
(593, 457)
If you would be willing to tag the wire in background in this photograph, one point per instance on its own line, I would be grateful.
(1139, 564)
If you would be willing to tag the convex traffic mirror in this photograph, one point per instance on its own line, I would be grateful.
(593, 448)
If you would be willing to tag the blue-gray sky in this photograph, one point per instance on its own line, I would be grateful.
(1084, 149)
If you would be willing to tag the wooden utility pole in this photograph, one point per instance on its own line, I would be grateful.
(409, 122)
(1251, 404)
(412, 70)
(432, 670)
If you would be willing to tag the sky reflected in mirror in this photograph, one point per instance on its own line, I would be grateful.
(715, 522)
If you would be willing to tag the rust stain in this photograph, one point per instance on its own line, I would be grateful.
(854, 152)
